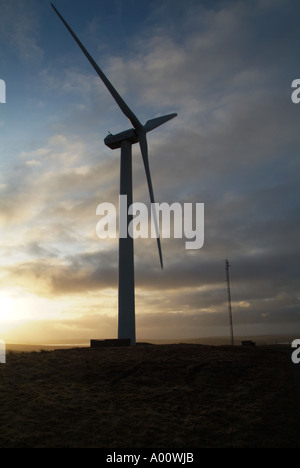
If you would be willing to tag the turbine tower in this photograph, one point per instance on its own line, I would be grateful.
(124, 141)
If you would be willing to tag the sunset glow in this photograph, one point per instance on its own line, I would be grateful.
(226, 68)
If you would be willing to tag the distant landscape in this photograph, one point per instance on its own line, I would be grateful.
(212, 341)
(149, 396)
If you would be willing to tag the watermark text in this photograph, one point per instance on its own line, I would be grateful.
(2, 352)
(154, 457)
(296, 353)
(296, 94)
(2, 92)
(182, 220)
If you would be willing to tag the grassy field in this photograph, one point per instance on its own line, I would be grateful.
(150, 396)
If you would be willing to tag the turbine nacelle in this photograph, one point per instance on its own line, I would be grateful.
(115, 141)
(132, 135)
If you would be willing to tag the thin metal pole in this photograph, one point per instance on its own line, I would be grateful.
(229, 300)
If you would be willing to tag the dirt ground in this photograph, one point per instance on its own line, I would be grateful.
(149, 396)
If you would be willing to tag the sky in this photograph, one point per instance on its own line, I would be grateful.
(226, 68)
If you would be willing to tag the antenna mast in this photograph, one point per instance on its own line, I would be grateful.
(229, 299)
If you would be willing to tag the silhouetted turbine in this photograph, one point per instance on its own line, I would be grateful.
(125, 140)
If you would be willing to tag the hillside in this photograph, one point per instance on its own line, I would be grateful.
(157, 396)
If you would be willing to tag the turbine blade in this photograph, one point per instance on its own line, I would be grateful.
(154, 123)
(121, 103)
(144, 151)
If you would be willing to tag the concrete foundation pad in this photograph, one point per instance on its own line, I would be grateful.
(114, 343)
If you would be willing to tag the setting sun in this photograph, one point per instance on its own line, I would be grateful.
(19, 310)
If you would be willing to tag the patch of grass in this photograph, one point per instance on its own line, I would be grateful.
(159, 396)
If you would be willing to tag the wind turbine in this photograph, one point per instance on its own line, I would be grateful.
(125, 140)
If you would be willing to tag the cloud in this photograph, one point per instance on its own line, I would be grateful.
(19, 26)
(234, 147)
